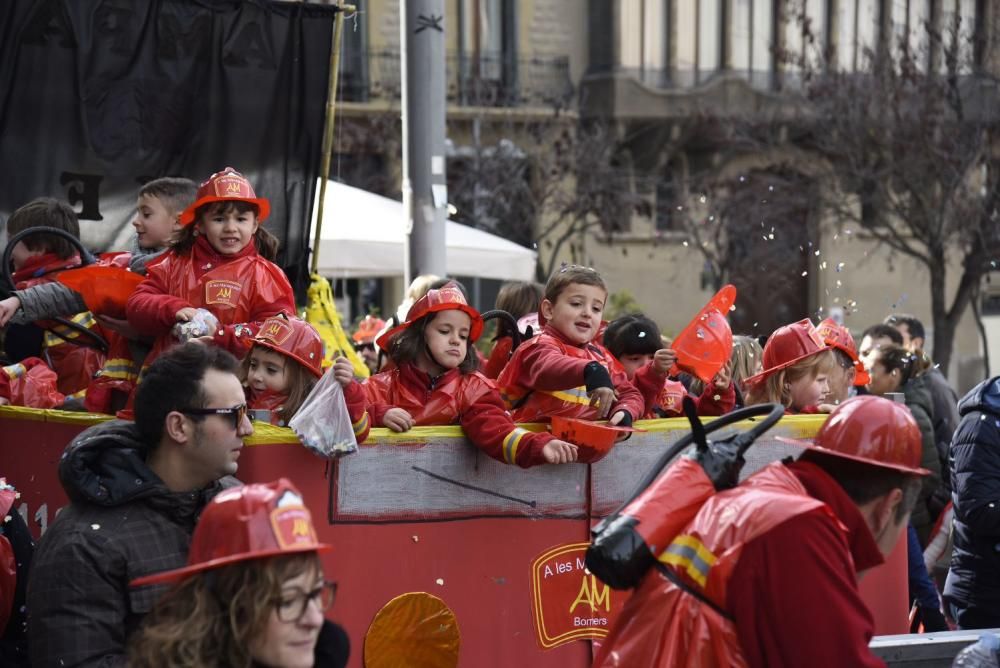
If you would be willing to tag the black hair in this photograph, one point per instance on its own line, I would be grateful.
(913, 325)
(865, 482)
(407, 345)
(633, 334)
(882, 330)
(46, 212)
(173, 382)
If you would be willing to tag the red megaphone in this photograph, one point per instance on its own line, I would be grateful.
(704, 346)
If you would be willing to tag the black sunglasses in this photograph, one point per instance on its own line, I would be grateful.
(236, 413)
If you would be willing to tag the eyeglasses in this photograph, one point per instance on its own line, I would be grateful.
(364, 346)
(292, 608)
(236, 413)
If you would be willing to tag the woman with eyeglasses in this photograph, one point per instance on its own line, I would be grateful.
(253, 592)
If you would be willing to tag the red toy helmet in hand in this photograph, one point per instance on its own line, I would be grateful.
(872, 430)
(295, 338)
(368, 329)
(225, 186)
(247, 522)
(837, 336)
(447, 297)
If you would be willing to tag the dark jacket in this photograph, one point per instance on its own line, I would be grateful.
(974, 578)
(917, 395)
(122, 523)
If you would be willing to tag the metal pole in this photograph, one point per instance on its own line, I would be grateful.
(425, 191)
(331, 104)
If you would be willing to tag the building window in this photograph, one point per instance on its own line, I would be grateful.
(964, 12)
(698, 42)
(750, 38)
(806, 37)
(642, 31)
(487, 58)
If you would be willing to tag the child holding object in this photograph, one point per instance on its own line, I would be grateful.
(564, 371)
(219, 272)
(435, 382)
(797, 364)
(284, 364)
(635, 341)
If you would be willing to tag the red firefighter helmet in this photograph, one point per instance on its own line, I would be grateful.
(872, 430)
(224, 186)
(837, 336)
(368, 329)
(449, 296)
(295, 338)
(247, 522)
(787, 346)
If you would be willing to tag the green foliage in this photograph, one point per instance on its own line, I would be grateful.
(621, 303)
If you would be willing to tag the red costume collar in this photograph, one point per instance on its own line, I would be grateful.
(39, 265)
(819, 485)
(203, 253)
(411, 373)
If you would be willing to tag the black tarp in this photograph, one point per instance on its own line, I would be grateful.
(99, 96)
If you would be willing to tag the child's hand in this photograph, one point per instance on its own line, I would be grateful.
(8, 307)
(826, 408)
(559, 452)
(185, 314)
(725, 376)
(398, 419)
(603, 398)
(663, 359)
(343, 373)
(617, 419)
(4, 401)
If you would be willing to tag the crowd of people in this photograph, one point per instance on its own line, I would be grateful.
(209, 337)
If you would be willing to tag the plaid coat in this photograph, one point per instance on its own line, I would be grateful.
(122, 523)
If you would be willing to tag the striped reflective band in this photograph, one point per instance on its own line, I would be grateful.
(510, 444)
(86, 319)
(688, 553)
(574, 395)
(362, 424)
(119, 368)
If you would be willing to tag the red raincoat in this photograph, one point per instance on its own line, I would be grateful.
(74, 364)
(664, 396)
(545, 378)
(8, 565)
(30, 383)
(499, 356)
(354, 395)
(241, 290)
(470, 400)
(774, 562)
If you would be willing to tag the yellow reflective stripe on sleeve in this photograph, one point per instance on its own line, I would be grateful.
(511, 443)
(362, 424)
(86, 319)
(575, 395)
(119, 369)
(689, 554)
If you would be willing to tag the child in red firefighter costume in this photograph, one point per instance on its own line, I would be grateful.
(849, 371)
(519, 299)
(435, 383)
(563, 370)
(635, 341)
(39, 259)
(797, 364)
(765, 574)
(284, 364)
(221, 262)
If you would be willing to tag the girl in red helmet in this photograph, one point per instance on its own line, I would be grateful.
(435, 382)
(284, 364)
(221, 262)
(797, 364)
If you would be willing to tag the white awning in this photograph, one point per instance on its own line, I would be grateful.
(363, 237)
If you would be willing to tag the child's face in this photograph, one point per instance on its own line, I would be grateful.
(576, 312)
(154, 224)
(267, 371)
(447, 337)
(633, 363)
(808, 390)
(20, 254)
(228, 232)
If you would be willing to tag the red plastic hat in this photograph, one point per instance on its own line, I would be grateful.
(293, 338)
(872, 430)
(838, 336)
(105, 289)
(248, 522)
(447, 297)
(705, 345)
(787, 346)
(223, 186)
(368, 329)
(593, 439)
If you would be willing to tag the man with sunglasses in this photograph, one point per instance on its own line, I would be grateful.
(136, 490)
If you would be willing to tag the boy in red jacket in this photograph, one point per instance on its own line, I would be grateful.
(563, 371)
